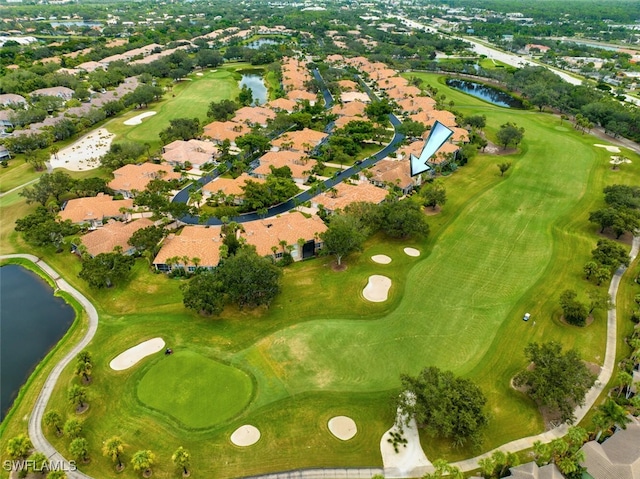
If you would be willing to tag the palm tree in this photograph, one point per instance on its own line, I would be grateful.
(114, 448)
(590, 268)
(77, 395)
(624, 381)
(84, 369)
(182, 459)
(84, 356)
(79, 449)
(37, 462)
(301, 242)
(142, 461)
(608, 415)
(54, 151)
(53, 419)
(283, 245)
(18, 447)
(73, 428)
(196, 261)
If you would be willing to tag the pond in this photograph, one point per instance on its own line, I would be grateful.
(486, 93)
(33, 321)
(261, 41)
(253, 79)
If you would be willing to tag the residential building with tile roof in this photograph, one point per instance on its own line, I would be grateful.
(59, 91)
(354, 96)
(345, 194)
(254, 115)
(218, 131)
(301, 96)
(304, 140)
(95, 210)
(196, 152)
(348, 85)
(113, 234)
(297, 161)
(616, 458)
(398, 93)
(135, 177)
(416, 104)
(289, 228)
(394, 172)
(201, 242)
(531, 470)
(12, 99)
(229, 189)
(283, 104)
(294, 229)
(354, 108)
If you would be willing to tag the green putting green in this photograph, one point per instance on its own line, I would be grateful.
(195, 390)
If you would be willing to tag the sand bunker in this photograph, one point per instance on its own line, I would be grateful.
(618, 160)
(132, 355)
(377, 289)
(412, 252)
(136, 120)
(246, 435)
(381, 259)
(199, 74)
(612, 149)
(342, 427)
(85, 153)
(410, 460)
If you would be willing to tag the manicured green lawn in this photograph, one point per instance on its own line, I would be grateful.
(17, 173)
(196, 391)
(499, 248)
(187, 99)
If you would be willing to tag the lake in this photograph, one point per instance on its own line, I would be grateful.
(33, 321)
(261, 41)
(485, 92)
(253, 79)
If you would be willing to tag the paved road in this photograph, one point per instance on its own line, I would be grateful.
(594, 392)
(183, 195)
(35, 419)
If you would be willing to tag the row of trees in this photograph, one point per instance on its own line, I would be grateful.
(622, 211)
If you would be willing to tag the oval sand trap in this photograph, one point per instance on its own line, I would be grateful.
(246, 435)
(412, 252)
(132, 355)
(377, 289)
(381, 259)
(342, 427)
(136, 120)
(612, 149)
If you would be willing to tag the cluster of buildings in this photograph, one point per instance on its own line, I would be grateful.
(111, 221)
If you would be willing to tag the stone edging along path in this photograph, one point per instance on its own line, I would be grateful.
(41, 444)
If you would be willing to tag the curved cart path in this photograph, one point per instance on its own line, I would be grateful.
(593, 394)
(41, 444)
(36, 435)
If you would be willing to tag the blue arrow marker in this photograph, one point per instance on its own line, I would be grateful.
(437, 137)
